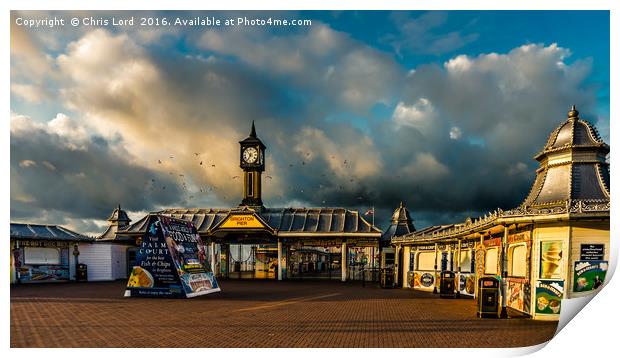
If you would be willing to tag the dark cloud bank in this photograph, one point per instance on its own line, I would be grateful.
(344, 123)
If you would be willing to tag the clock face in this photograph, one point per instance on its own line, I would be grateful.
(250, 155)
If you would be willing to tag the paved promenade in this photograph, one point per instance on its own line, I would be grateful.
(258, 314)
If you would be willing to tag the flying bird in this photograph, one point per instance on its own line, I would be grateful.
(268, 177)
(158, 161)
(201, 163)
(196, 154)
(163, 188)
(171, 157)
(236, 177)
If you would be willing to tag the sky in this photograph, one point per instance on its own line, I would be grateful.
(442, 110)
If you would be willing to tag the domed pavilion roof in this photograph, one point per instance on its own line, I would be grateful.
(401, 223)
(573, 165)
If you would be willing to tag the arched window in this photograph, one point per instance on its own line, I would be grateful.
(426, 261)
(490, 261)
(517, 264)
(465, 263)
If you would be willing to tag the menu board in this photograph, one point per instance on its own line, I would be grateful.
(170, 262)
(589, 275)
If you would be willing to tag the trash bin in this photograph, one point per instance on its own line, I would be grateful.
(447, 284)
(488, 297)
(81, 273)
(387, 278)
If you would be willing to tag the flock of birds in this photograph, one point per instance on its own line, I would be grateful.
(152, 186)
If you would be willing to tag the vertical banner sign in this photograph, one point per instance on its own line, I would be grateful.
(551, 260)
(171, 261)
(549, 296)
(589, 275)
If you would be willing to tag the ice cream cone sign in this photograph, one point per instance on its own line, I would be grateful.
(551, 258)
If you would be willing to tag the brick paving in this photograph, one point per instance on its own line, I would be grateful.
(258, 314)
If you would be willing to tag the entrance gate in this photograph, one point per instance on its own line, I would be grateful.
(314, 262)
(253, 261)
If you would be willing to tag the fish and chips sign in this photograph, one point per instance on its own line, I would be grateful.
(170, 262)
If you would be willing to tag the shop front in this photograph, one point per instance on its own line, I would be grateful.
(554, 246)
(265, 243)
(43, 253)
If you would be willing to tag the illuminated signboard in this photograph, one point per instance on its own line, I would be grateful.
(242, 222)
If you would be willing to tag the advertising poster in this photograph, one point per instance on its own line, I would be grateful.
(518, 295)
(589, 275)
(41, 272)
(410, 278)
(549, 296)
(551, 259)
(171, 262)
(423, 280)
(467, 284)
(479, 259)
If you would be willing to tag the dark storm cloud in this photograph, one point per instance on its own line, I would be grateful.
(55, 171)
(344, 123)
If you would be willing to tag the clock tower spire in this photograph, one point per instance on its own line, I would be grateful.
(252, 161)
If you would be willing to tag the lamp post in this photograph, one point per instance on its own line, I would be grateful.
(76, 254)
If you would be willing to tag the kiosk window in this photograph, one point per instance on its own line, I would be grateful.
(465, 263)
(426, 261)
(41, 256)
(517, 263)
(490, 261)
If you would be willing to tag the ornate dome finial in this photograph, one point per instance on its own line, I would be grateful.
(573, 113)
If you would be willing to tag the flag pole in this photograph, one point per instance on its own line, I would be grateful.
(373, 215)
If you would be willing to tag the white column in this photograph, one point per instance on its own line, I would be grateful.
(458, 269)
(406, 263)
(504, 268)
(343, 265)
(213, 257)
(435, 271)
(279, 260)
(396, 265)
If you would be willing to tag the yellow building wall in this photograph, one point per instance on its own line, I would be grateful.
(585, 233)
(405, 265)
(559, 231)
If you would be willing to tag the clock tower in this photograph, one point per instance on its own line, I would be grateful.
(252, 161)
